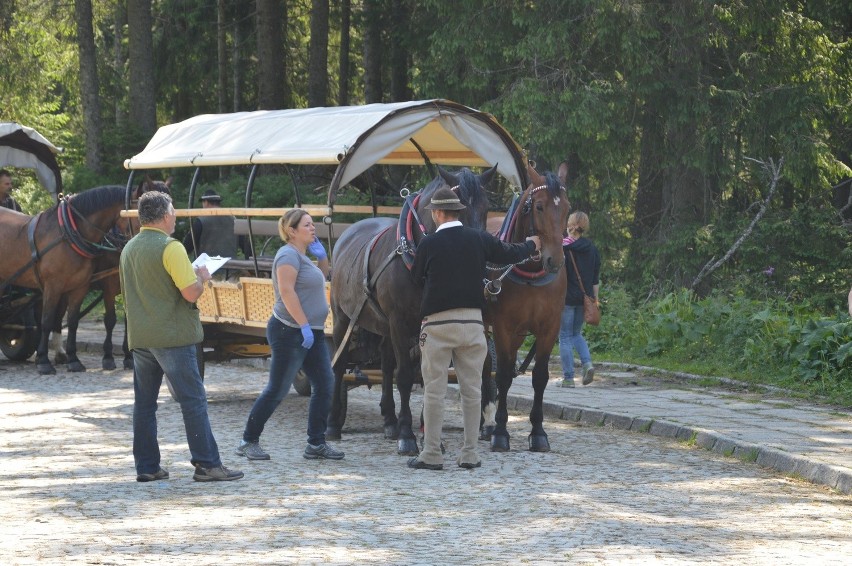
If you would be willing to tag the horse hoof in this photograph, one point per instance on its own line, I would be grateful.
(76, 367)
(108, 364)
(60, 358)
(539, 443)
(391, 432)
(332, 434)
(128, 364)
(499, 443)
(407, 447)
(486, 432)
(46, 369)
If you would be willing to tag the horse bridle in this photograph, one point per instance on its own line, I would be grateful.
(67, 215)
(494, 286)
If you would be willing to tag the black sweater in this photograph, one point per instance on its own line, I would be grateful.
(450, 265)
(589, 263)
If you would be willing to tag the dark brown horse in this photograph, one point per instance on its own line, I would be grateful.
(530, 298)
(371, 284)
(54, 252)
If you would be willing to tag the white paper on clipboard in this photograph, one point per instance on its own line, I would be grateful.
(212, 263)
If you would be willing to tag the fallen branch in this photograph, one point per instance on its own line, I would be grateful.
(775, 172)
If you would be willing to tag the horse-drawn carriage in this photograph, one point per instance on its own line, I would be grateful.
(349, 139)
(371, 316)
(24, 147)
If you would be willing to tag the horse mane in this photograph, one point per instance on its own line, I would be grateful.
(95, 199)
(554, 186)
(147, 185)
(469, 190)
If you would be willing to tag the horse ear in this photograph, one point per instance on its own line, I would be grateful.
(563, 173)
(168, 182)
(448, 177)
(486, 177)
(535, 178)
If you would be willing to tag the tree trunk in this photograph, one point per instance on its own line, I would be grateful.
(143, 109)
(89, 85)
(119, 92)
(222, 55)
(318, 55)
(271, 65)
(399, 54)
(372, 51)
(343, 72)
(648, 211)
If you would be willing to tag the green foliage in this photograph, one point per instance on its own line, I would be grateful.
(766, 341)
(823, 351)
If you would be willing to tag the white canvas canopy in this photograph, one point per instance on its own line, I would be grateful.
(353, 138)
(24, 147)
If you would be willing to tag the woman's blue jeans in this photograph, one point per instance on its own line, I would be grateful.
(571, 338)
(288, 357)
(181, 366)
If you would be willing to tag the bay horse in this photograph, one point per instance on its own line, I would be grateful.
(54, 253)
(105, 279)
(530, 298)
(371, 287)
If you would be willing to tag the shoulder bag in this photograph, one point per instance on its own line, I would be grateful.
(591, 311)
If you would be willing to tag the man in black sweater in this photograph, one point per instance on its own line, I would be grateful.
(450, 266)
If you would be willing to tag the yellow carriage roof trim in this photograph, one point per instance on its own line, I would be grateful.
(350, 137)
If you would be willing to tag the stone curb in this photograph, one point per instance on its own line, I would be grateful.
(835, 477)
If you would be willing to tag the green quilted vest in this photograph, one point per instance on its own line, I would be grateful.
(157, 314)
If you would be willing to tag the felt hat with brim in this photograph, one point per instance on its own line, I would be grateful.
(211, 195)
(445, 199)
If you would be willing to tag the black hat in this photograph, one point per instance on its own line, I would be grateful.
(211, 195)
(445, 199)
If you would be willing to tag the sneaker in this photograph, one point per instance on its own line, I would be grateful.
(588, 373)
(219, 473)
(251, 450)
(567, 382)
(417, 464)
(322, 452)
(160, 474)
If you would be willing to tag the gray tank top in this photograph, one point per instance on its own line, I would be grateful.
(310, 288)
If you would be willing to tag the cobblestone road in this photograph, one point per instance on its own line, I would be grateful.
(68, 495)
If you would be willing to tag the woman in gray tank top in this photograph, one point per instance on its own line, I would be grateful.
(296, 338)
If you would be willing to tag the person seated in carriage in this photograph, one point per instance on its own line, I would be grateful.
(214, 235)
(6, 200)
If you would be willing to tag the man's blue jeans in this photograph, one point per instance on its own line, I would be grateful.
(181, 365)
(288, 357)
(571, 338)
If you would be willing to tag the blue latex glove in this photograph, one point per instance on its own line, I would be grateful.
(316, 249)
(307, 336)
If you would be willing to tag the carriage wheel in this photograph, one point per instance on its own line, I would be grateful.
(19, 343)
(302, 384)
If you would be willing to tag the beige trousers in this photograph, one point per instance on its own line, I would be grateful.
(455, 335)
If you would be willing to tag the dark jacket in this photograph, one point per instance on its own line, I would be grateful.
(589, 263)
(11, 204)
(450, 265)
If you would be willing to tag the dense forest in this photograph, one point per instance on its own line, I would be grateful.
(710, 142)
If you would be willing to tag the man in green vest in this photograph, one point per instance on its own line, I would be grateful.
(160, 288)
